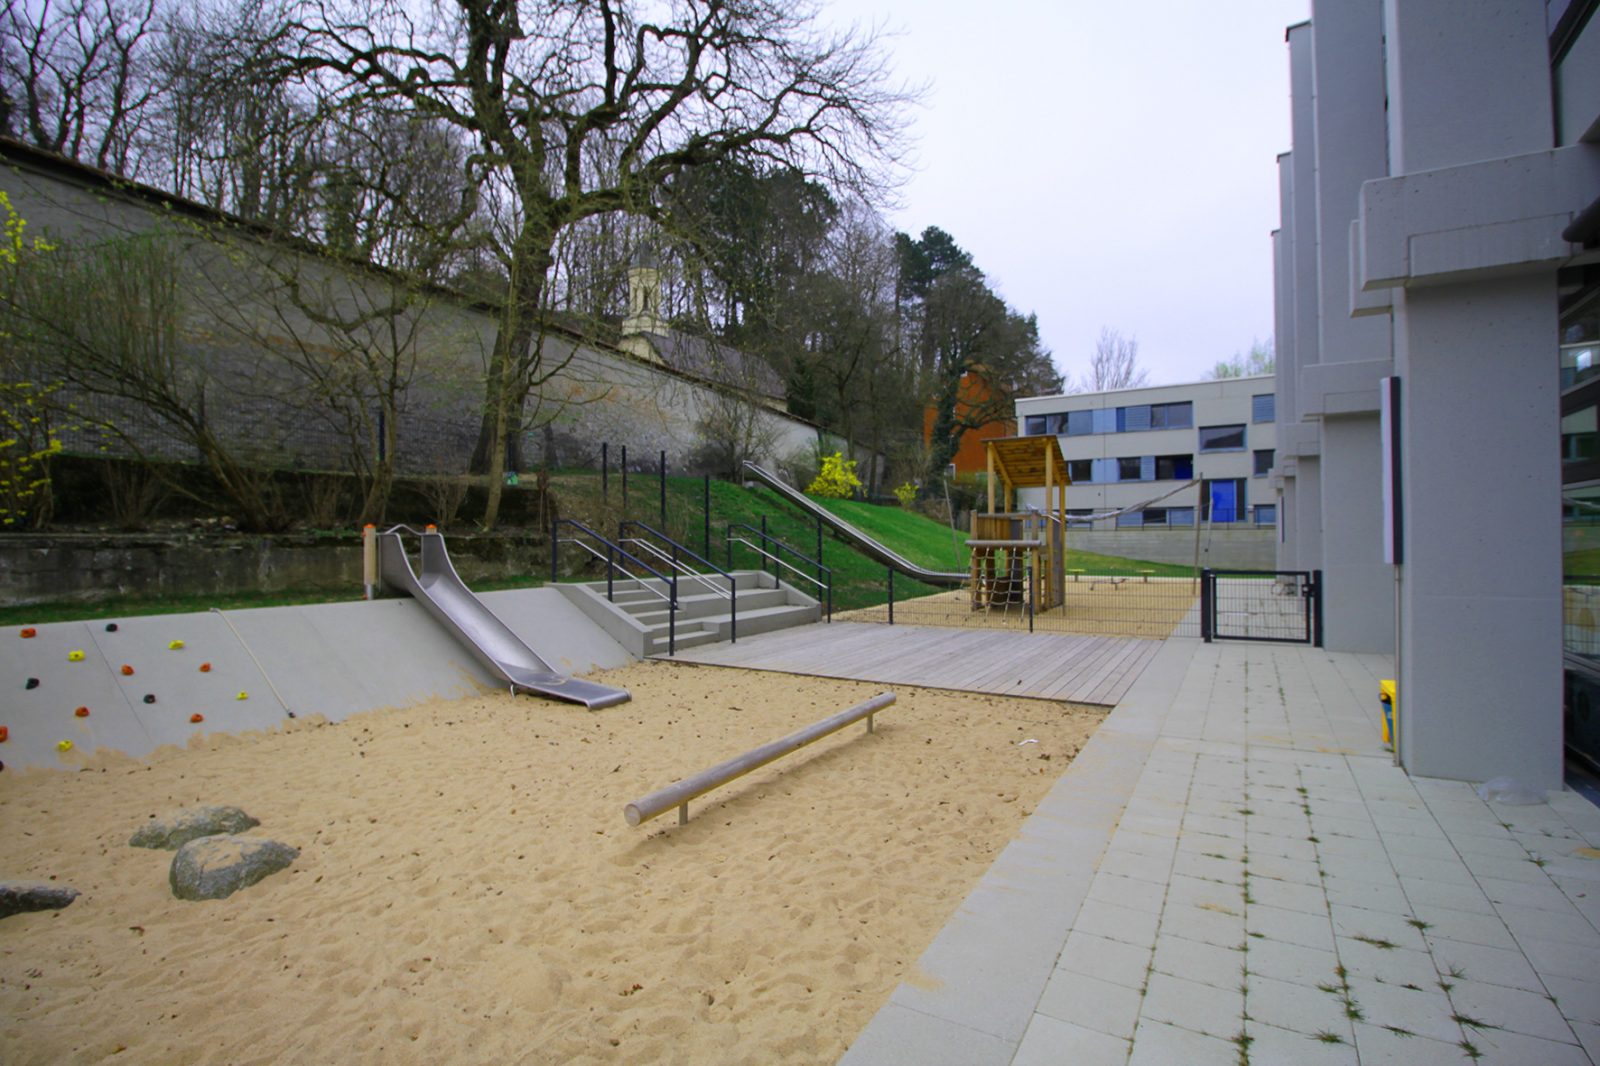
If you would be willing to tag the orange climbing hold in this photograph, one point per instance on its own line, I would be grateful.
(127, 671)
(82, 712)
(5, 734)
(29, 631)
(196, 718)
(205, 668)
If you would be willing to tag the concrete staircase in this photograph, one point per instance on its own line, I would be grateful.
(636, 615)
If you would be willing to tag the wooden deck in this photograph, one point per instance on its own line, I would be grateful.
(1077, 669)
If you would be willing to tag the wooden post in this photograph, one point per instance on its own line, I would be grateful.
(679, 794)
(989, 460)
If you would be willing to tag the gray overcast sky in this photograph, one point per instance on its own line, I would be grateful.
(1106, 164)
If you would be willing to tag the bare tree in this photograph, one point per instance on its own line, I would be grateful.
(1114, 365)
(548, 91)
(75, 77)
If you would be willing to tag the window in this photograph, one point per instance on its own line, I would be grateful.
(1133, 419)
(1080, 471)
(1266, 514)
(1128, 469)
(1180, 516)
(1132, 518)
(1263, 408)
(1174, 467)
(1263, 462)
(1105, 420)
(1222, 438)
(1171, 415)
(1080, 423)
(1227, 499)
(1033, 425)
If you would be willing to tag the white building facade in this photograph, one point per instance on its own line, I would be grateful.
(1439, 242)
(1129, 446)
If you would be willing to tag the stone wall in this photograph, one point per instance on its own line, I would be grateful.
(85, 567)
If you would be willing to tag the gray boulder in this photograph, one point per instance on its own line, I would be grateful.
(216, 867)
(19, 896)
(174, 829)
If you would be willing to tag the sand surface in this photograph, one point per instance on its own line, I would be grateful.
(468, 890)
(1093, 607)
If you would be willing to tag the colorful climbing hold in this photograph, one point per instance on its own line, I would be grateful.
(242, 696)
(63, 745)
(111, 627)
(196, 718)
(5, 733)
(75, 656)
(174, 645)
(29, 631)
(127, 671)
(149, 697)
(205, 668)
(82, 712)
(33, 683)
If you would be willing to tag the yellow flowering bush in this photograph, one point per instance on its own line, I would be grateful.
(906, 494)
(837, 479)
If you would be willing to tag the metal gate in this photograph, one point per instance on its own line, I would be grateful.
(1284, 606)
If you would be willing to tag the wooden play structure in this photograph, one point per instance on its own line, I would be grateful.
(1018, 556)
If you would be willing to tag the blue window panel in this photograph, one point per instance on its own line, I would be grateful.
(1224, 500)
(1147, 468)
(1180, 516)
(1105, 470)
(1134, 419)
(1033, 425)
(1080, 423)
(1263, 408)
(1266, 514)
(1132, 518)
(1105, 420)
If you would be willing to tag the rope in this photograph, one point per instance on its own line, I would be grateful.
(264, 675)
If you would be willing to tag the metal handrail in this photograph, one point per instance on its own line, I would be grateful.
(672, 560)
(612, 566)
(730, 540)
(732, 593)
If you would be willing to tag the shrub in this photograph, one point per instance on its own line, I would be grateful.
(837, 480)
(906, 494)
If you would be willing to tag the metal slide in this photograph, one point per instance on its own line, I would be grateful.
(440, 590)
(850, 533)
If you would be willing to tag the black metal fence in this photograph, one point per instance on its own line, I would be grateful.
(1283, 606)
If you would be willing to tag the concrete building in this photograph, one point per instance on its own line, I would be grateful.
(1437, 247)
(1129, 446)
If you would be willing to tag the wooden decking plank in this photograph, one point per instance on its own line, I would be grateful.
(1069, 684)
(1116, 686)
(1109, 669)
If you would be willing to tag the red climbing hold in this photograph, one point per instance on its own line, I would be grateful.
(205, 668)
(5, 733)
(197, 718)
(127, 671)
(82, 712)
(29, 631)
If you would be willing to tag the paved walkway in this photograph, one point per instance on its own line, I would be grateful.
(1233, 872)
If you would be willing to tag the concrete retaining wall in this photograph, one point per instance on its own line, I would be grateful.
(84, 567)
(1236, 549)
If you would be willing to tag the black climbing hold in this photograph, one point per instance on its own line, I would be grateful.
(149, 699)
(33, 682)
(111, 627)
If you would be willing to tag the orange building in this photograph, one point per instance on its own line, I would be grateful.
(974, 393)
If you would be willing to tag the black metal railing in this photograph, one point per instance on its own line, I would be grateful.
(617, 558)
(824, 576)
(672, 554)
(1283, 606)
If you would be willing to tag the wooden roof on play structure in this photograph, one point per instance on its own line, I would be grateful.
(1020, 461)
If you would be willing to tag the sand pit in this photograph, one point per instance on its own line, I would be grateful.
(468, 891)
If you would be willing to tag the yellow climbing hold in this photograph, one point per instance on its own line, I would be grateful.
(63, 745)
(174, 645)
(75, 656)
(243, 696)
